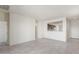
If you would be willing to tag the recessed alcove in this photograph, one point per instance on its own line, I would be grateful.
(55, 26)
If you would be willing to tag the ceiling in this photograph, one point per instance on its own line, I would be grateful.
(44, 12)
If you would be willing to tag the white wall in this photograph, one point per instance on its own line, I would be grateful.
(3, 27)
(74, 28)
(40, 29)
(68, 28)
(22, 29)
(3, 31)
(43, 33)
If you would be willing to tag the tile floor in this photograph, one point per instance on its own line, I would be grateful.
(43, 46)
